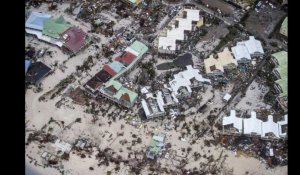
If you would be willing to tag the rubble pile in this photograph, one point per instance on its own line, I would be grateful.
(273, 153)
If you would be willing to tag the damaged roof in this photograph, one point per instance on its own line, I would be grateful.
(36, 72)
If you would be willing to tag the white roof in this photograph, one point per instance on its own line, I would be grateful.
(252, 125)
(270, 126)
(254, 46)
(178, 33)
(145, 107)
(227, 97)
(128, 49)
(246, 48)
(165, 42)
(240, 51)
(182, 79)
(192, 14)
(62, 146)
(40, 36)
(232, 119)
(160, 101)
(282, 123)
(144, 90)
(184, 24)
(158, 138)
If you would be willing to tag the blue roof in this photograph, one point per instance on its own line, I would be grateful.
(116, 66)
(27, 64)
(36, 20)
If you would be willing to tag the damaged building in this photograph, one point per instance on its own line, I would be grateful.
(254, 127)
(153, 105)
(183, 82)
(171, 36)
(156, 147)
(105, 82)
(216, 66)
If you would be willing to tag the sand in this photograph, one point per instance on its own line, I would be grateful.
(105, 136)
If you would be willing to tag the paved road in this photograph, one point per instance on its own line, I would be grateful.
(207, 10)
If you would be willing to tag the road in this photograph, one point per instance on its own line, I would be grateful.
(207, 10)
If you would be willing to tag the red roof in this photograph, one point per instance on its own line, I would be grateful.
(75, 39)
(109, 70)
(126, 58)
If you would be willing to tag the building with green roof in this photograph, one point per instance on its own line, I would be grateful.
(140, 50)
(54, 27)
(114, 90)
(156, 146)
(284, 27)
(139, 47)
(280, 60)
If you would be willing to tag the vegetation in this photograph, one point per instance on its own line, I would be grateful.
(150, 69)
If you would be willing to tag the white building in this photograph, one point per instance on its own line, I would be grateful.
(175, 31)
(282, 127)
(243, 51)
(255, 127)
(252, 125)
(153, 106)
(62, 146)
(233, 122)
(183, 82)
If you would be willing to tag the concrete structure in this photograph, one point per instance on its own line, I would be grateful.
(186, 20)
(156, 146)
(216, 66)
(183, 82)
(243, 51)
